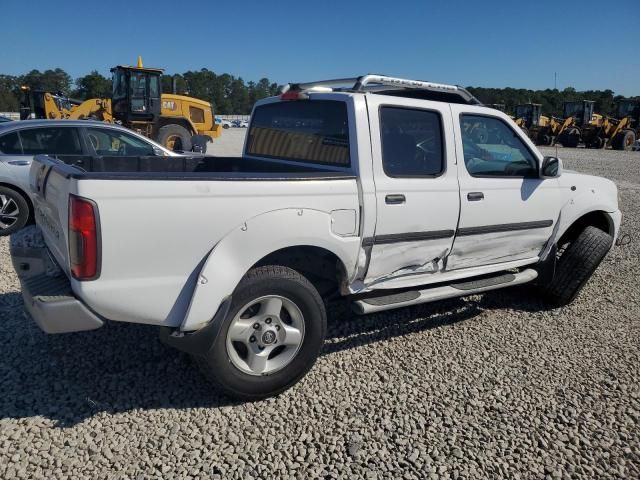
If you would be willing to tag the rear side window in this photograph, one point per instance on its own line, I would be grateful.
(51, 140)
(411, 142)
(314, 131)
(10, 144)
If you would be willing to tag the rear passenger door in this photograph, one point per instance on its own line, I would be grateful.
(417, 192)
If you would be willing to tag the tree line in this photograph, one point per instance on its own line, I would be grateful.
(228, 94)
(550, 99)
(232, 95)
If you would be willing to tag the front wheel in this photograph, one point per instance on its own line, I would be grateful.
(271, 336)
(576, 263)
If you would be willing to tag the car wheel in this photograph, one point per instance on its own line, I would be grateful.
(14, 211)
(271, 336)
(576, 263)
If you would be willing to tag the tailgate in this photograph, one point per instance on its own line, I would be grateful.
(50, 186)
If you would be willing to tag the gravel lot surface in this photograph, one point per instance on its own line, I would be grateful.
(491, 386)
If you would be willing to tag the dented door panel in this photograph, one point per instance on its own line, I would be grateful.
(416, 214)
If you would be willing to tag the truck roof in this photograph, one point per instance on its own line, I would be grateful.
(385, 85)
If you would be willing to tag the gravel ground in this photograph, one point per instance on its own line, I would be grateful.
(491, 386)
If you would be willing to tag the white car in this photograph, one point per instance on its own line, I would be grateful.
(75, 141)
(373, 190)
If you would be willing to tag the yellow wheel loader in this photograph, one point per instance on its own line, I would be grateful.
(176, 121)
(620, 133)
(578, 116)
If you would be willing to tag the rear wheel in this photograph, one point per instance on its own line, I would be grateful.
(544, 139)
(624, 140)
(576, 263)
(175, 137)
(14, 211)
(271, 337)
(570, 138)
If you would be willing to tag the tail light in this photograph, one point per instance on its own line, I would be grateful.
(83, 238)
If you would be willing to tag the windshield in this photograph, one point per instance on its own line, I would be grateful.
(628, 109)
(523, 111)
(573, 109)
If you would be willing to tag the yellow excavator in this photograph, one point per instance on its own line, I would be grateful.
(176, 121)
(620, 133)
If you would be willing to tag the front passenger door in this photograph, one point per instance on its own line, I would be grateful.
(507, 212)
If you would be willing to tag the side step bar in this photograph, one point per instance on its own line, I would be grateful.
(456, 289)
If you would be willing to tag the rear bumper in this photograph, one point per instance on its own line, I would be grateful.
(46, 290)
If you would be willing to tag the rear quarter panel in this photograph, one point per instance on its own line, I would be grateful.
(158, 234)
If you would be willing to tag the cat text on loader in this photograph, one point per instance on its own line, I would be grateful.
(176, 121)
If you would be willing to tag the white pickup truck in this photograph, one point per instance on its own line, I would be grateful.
(380, 191)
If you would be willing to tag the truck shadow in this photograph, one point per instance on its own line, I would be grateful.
(120, 367)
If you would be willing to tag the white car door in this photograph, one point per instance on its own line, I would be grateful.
(507, 212)
(417, 197)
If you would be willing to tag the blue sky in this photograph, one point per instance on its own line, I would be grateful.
(491, 43)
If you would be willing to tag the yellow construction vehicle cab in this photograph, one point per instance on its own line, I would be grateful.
(620, 133)
(540, 128)
(577, 117)
(175, 121)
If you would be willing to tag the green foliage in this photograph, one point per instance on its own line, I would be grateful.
(50, 80)
(550, 99)
(93, 85)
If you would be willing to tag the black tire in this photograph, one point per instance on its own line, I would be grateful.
(14, 211)
(624, 140)
(544, 139)
(174, 137)
(217, 364)
(576, 265)
(571, 138)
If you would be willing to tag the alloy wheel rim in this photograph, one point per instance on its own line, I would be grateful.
(9, 212)
(265, 335)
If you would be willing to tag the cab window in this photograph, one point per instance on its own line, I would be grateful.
(108, 142)
(50, 140)
(493, 149)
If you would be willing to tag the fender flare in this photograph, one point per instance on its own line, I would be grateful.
(572, 211)
(247, 244)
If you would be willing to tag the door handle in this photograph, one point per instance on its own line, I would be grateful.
(396, 199)
(475, 196)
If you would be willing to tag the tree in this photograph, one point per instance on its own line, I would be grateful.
(93, 85)
(9, 100)
(50, 80)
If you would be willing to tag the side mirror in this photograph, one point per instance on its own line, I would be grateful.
(551, 167)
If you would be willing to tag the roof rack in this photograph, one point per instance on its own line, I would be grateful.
(389, 85)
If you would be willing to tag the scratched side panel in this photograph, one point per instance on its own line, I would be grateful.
(471, 250)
